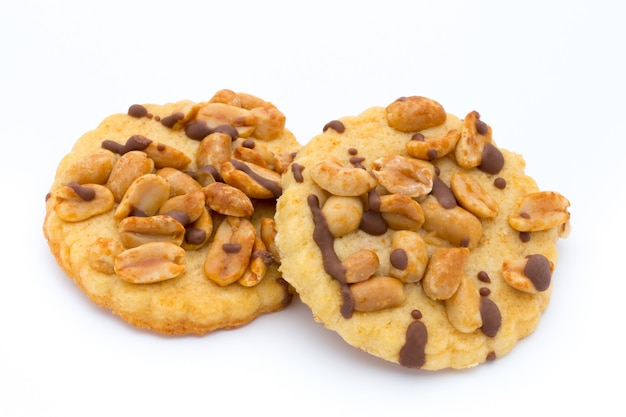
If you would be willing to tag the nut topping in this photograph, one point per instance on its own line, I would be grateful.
(409, 256)
(463, 307)
(75, 203)
(340, 180)
(127, 169)
(539, 211)
(144, 196)
(254, 180)
(151, 262)
(445, 272)
(473, 197)
(343, 214)
(412, 114)
(230, 251)
(456, 225)
(531, 274)
(475, 134)
(360, 265)
(218, 114)
(401, 212)
(135, 231)
(377, 293)
(402, 175)
(433, 147)
(90, 169)
(228, 200)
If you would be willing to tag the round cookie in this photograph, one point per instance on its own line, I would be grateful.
(420, 241)
(164, 214)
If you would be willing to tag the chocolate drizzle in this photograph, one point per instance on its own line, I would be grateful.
(336, 125)
(413, 353)
(137, 110)
(443, 194)
(491, 160)
(492, 319)
(274, 188)
(85, 193)
(332, 264)
(537, 269)
(297, 169)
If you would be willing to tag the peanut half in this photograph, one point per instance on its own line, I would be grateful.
(473, 197)
(404, 175)
(75, 203)
(415, 113)
(377, 293)
(230, 252)
(539, 211)
(340, 180)
(150, 262)
(445, 272)
(463, 307)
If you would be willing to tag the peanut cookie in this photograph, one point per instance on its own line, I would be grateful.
(420, 240)
(165, 214)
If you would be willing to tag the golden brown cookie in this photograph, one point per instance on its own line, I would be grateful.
(420, 240)
(164, 215)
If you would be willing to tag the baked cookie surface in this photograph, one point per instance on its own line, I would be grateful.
(164, 214)
(419, 240)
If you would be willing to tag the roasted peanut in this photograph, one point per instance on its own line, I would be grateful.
(412, 114)
(185, 208)
(360, 265)
(270, 122)
(214, 150)
(409, 256)
(456, 225)
(228, 200)
(127, 169)
(255, 181)
(445, 270)
(377, 293)
(401, 212)
(102, 255)
(403, 175)
(90, 169)
(75, 203)
(261, 258)
(250, 155)
(166, 156)
(433, 147)
(145, 196)
(268, 235)
(474, 135)
(539, 211)
(150, 262)
(180, 182)
(340, 180)
(198, 232)
(472, 197)
(217, 114)
(135, 231)
(343, 214)
(531, 274)
(463, 307)
(230, 252)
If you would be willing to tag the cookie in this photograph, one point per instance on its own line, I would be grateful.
(419, 241)
(165, 214)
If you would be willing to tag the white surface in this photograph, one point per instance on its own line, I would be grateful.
(548, 77)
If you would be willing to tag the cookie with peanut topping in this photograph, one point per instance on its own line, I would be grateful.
(165, 214)
(420, 240)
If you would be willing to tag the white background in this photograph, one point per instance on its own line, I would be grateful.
(548, 77)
